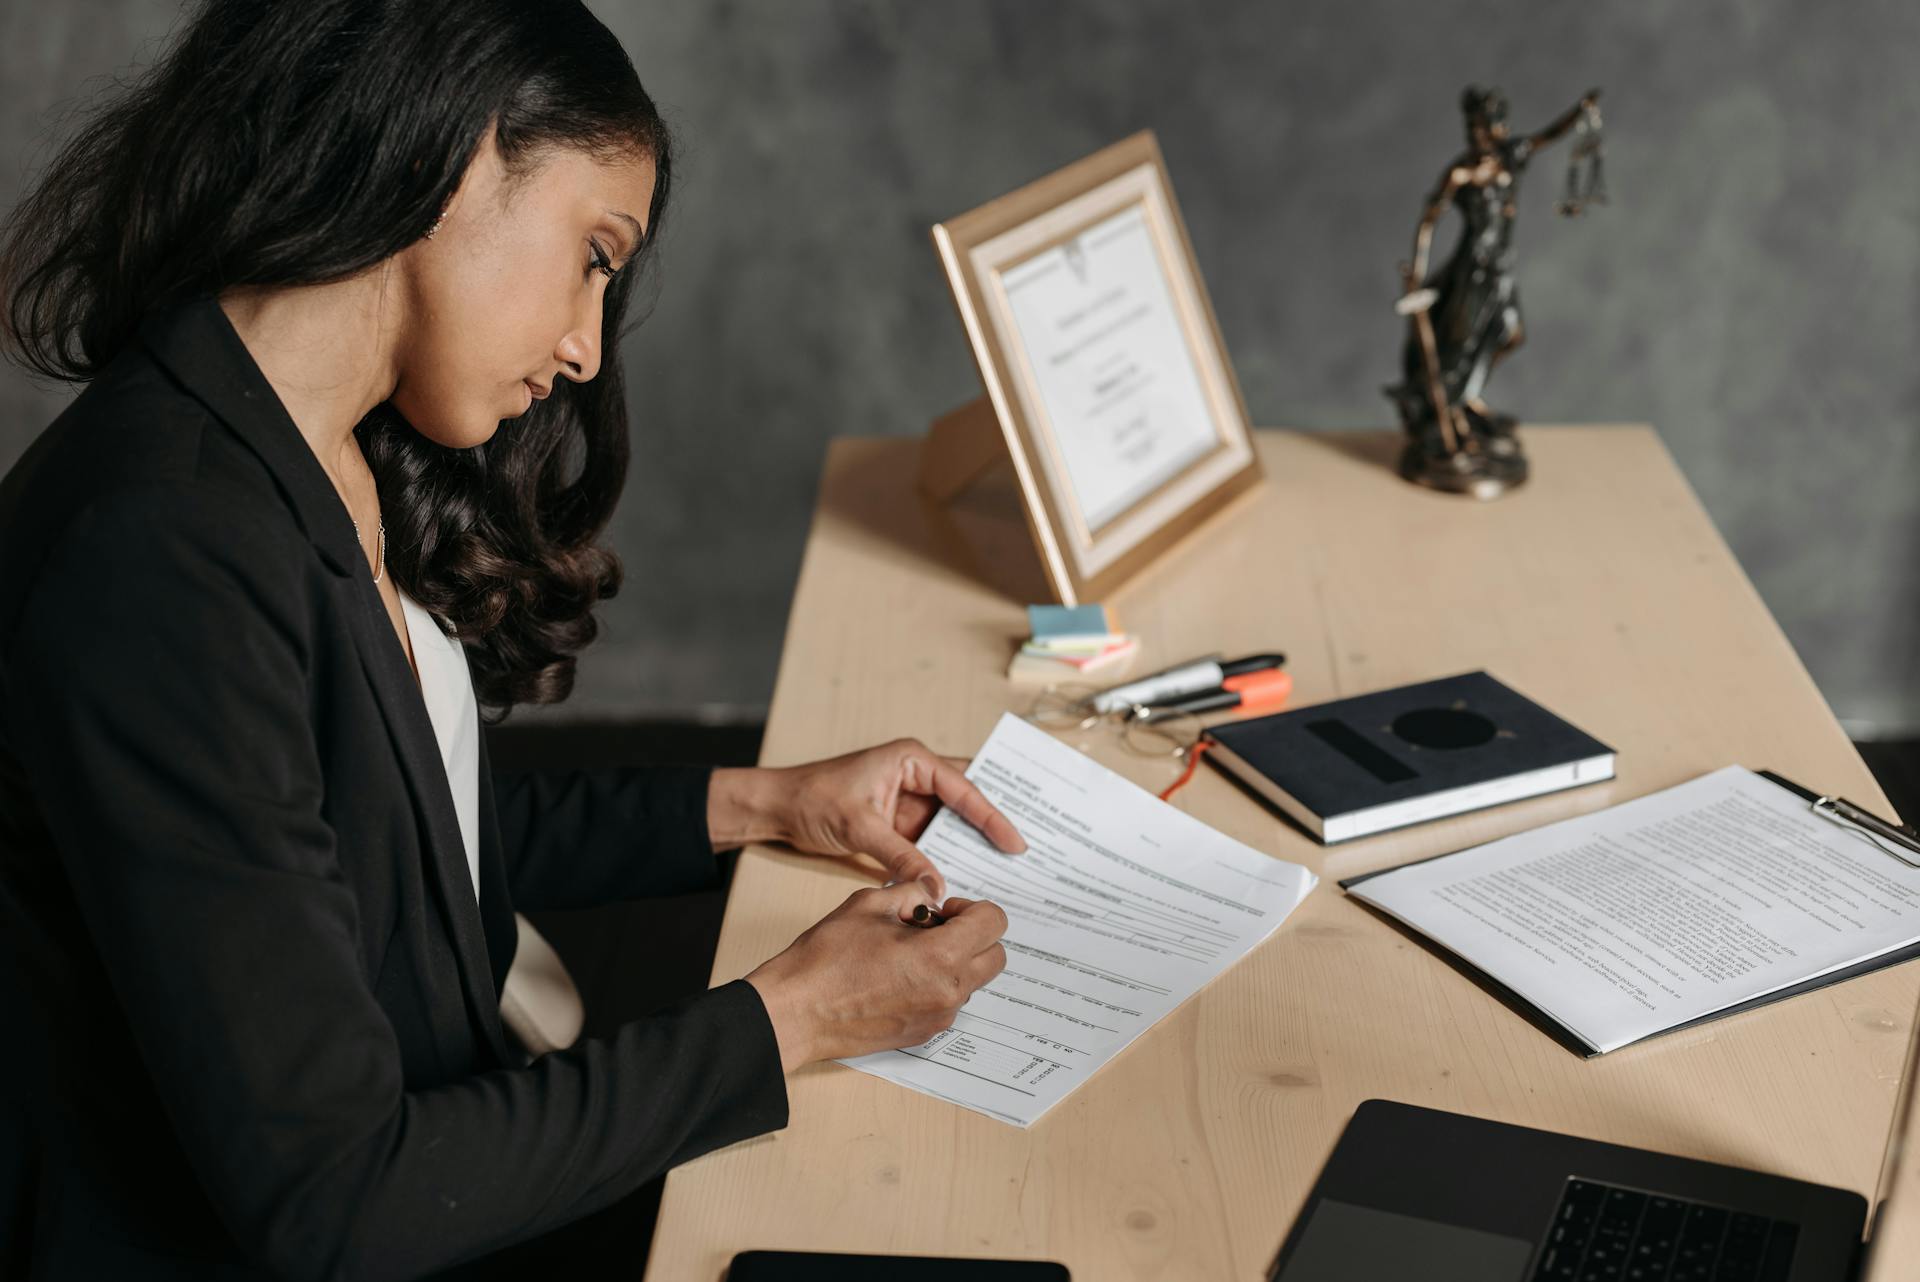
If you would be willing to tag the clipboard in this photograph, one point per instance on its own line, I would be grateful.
(1843, 813)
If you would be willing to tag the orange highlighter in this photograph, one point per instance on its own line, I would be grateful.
(1249, 692)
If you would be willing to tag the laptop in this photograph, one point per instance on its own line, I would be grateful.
(1417, 1193)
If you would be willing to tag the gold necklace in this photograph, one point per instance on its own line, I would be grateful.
(381, 568)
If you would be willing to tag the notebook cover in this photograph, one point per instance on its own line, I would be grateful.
(1402, 744)
(1565, 1036)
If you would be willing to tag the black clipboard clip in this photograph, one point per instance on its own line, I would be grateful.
(1899, 840)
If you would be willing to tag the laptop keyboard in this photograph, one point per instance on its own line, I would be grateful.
(1603, 1233)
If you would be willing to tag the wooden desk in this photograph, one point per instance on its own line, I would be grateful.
(1600, 589)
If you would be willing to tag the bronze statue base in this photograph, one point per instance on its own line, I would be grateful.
(1480, 475)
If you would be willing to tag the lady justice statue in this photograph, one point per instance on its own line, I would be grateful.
(1466, 317)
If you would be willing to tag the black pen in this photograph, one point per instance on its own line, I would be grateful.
(1258, 691)
(925, 916)
(1182, 681)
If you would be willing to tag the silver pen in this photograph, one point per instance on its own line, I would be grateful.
(1195, 677)
(1169, 683)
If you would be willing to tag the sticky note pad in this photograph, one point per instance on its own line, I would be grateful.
(1059, 622)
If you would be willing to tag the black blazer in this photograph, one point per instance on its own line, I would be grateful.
(251, 1008)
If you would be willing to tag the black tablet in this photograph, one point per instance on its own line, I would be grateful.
(827, 1266)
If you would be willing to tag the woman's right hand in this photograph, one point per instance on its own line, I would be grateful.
(862, 979)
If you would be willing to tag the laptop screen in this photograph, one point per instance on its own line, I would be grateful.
(1341, 1242)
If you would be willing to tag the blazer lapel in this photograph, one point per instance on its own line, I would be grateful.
(496, 912)
(198, 344)
(412, 729)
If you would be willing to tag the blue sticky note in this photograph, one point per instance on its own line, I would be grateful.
(1049, 621)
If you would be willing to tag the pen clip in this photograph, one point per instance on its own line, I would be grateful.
(1872, 828)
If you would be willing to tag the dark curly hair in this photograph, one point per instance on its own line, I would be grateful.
(282, 144)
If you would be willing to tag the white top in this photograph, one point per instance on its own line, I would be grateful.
(447, 686)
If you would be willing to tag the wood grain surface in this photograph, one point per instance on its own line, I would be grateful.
(1600, 589)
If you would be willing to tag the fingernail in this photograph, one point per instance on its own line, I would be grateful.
(933, 887)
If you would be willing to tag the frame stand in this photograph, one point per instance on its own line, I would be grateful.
(961, 447)
(974, 506)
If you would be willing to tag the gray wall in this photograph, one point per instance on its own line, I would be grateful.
(1754, 289)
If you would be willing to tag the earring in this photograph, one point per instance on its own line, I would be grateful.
(436, 223)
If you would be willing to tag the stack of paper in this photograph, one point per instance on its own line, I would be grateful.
(1071, 641)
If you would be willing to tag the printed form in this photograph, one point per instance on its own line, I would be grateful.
(1662, 910)
(1121, 908)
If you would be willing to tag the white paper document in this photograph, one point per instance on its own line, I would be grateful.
(1102, 334)
(1121, 908)
(1666, 909)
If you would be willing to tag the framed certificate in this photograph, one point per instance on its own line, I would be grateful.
(1103, 363)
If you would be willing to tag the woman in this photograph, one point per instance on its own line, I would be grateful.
(257, 877)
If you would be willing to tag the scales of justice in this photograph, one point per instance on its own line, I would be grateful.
(1465, 317)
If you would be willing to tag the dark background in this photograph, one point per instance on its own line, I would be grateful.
(1753, 290)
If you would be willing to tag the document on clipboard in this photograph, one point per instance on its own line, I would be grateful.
(1728, 891)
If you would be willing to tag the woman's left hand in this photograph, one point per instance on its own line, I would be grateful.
(876, 802)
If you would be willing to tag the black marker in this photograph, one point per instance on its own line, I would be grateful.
(1187, 679)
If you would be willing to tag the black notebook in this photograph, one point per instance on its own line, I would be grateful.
(1358, 766)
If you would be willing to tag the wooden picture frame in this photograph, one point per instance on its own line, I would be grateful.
(1107, 382)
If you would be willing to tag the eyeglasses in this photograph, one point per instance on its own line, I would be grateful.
(1145, 731)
